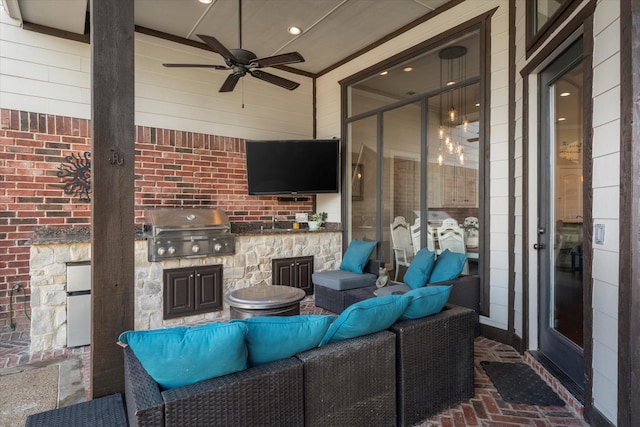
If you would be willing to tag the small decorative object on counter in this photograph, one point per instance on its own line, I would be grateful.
(317, 219)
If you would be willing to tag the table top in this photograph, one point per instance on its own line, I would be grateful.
(264, 296)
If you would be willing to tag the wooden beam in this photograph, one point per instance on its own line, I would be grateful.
(112, 210)
(629, 262)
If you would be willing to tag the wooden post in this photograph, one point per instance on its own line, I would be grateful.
(112, 210)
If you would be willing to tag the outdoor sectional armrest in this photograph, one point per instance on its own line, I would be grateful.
(351, 382)
(145, 406)
(435, 363)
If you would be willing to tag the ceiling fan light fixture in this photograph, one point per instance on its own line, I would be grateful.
(293, 30)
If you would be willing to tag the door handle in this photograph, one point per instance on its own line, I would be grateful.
(538, 246)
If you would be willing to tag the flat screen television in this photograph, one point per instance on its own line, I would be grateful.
(293, 166)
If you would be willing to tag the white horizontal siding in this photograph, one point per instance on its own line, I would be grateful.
(44, 74)
(606, 197)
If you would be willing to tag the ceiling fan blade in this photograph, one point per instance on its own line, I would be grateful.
(230, 83)
(218, 47)
(276, 80)
(283, 59)
(217, 67)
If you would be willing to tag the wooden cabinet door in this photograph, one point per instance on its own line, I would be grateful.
(283, 270)
(179, 292)
(294, 272)
(192, 290)
(304, 270)
(208, 289)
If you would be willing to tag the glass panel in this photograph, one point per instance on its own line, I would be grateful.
(567, 295)
(453, 172)
(543, 11)
(363, 177)
(420, 74)
(401, 178)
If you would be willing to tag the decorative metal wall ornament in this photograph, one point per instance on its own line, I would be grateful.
(75, 172)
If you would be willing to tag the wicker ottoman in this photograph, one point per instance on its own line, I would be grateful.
(105, 411)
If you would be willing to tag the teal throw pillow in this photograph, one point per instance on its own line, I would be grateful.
(366, 317)
(357, 255)
(419, 270)
(274, 338)
(448, 266)
(176, 357)
(425, 301)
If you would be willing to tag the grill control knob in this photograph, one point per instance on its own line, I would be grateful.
(161, 250)
(171, 250)
(217, 247)
(195, 248)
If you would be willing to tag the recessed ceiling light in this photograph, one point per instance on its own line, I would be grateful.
(562, 119)
(451, 83)
(477, 104)
(206, 1)
(294, 30)
(384, 73)
(565, 94)
(407, 69)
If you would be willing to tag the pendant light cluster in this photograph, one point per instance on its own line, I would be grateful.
(452, 70)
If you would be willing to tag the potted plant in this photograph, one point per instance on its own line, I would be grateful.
(317, 219)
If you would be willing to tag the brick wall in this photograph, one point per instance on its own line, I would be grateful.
(173, 168)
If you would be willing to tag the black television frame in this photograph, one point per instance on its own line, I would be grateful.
(291, 167)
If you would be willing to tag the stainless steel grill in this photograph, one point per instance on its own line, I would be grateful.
(184, 233)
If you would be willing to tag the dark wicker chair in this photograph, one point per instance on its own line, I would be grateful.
(267, 395)
(434, 363)
(351, 382)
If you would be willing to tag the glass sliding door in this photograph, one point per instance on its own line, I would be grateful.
(560, 228)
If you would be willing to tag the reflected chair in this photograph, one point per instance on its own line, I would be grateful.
(451, 236)
(415, 236)
(403, 250)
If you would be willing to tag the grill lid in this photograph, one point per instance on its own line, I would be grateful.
(164, 220)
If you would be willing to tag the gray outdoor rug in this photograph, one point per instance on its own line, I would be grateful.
(518, 383)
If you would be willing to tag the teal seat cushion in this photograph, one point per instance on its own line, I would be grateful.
(357, 255)
(366, 317)
(419, 270)
(176, 357)
(273, 338)
(448, 266)
(342, 280)
(425, 301)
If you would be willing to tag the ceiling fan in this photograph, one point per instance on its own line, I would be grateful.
(242, 62)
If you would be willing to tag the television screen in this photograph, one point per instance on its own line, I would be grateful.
(293, 167)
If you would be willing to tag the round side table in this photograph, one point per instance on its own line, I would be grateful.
(264, 300)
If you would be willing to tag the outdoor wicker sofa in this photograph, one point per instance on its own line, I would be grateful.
(397, 377)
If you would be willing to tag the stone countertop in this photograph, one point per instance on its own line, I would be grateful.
(68, 234)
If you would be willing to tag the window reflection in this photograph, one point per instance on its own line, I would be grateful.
(543, 11)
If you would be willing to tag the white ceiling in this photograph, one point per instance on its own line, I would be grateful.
(332, 29)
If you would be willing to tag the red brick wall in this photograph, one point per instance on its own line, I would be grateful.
(173, 168)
